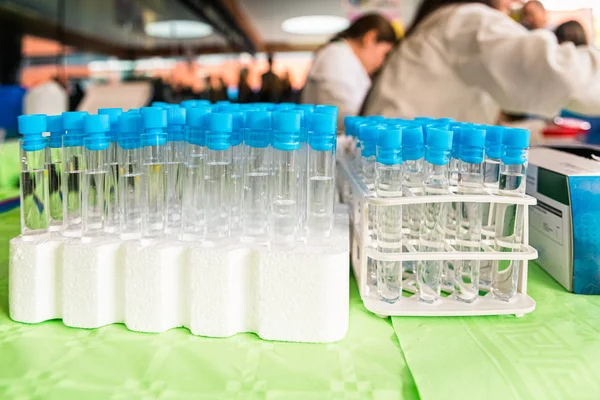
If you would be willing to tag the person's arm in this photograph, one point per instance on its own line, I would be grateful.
(526, 72)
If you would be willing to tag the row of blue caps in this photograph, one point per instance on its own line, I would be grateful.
(217, 126)
(466, 141)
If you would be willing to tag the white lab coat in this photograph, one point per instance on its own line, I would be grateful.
(469, 62)
(337, 77)
(49, 98)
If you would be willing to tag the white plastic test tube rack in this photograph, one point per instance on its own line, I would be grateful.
(363, 248)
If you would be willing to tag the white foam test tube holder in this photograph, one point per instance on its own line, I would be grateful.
(193, 200)
(469, 224)
(35, 217)
(217, 172)
(73, 172)
(509, 217)
(257, 176)
(413, 153)
(175, 149)
(433, 227)
(154, 139)
(388, 184)
(237, 170)
(95, 176)
(112, 218)
(129, 155)
(491, 179)
(284, 207)
(321, 177)
(54, 165)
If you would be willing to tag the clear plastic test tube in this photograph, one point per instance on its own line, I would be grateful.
(175, 149)
(72, 172)
(388, 184)
(217, 172)
(257, 177)
(34, 180)
(193, 200)
(433, 227)
(154, 157)
(95, 176)
(321, 177)
(236, 184)
(54, 159)
(112, 222)
(368, 140)
(129, 155)
(306, 112)
(509, 217)
(469, 224)
(284, 207)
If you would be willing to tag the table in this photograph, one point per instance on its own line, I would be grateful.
(553, 353)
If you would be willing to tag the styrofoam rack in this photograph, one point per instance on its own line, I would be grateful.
(354, 191)
(300, 294)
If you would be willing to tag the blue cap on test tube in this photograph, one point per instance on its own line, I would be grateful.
(515, 144)
(413, 147)
(322, 133)
(287, 129)
(218, 134)
(472, 144)
(197, 123)
(439, 144)
(367, 134)
(56, 130)
(32, 127)
(493, 141)
(97, 129)
(389, 145)
(176, 123)
(258, 129)
(113, 117)
(73, 126)
(154, 124)
(130, 125)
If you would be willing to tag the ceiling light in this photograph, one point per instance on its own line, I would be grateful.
(315, 25)
(178, 29)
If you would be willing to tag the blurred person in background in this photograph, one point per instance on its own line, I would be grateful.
(342, 69)
(49, 97)
(573, 32)
(270, 89)
(466, 60)
(245, 93)
(534, 15)
(218, 90)
(287, 91)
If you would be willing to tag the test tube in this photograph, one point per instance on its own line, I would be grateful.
(509, 217)
(129, 155)
(154, 138)
(257, 175)
(193, 200)
(321, 172)
(72, 172)
(284, 208)
(236, 184)
(96, 174)
(175, 149)
(306, 112)
(54, 159)
(112, 221)
(468, 234)
(217, 173)
(34, 180)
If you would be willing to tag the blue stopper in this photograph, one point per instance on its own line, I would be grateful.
(237, 131)
(376, 118)
(73, 126)
(197, 122)
(350, 125)
(187, 104)
(439, 144)
(367, 134)
(493, 141)
(413, 147)
(154, 122)
(227, 107)
(472, 144)
(287, 130)
(113, 116)
(258, 129)
(56, 131)
(515, 143)
(130, 126)
(445, 121)
(424, 120)
(306, 107)
(96, 128)
(134, 111)
(322, 134)
(218, 135)
(32, 127)
(176, 123)
(327, 109)
(159, 104)
(389, 145)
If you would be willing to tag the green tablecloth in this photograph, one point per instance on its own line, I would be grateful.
(9, 165)
(553, 353)
(50, 361)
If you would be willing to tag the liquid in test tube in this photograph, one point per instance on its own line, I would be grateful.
(55, 172)
(72, 172)
(112, 221)
(34, 180)
(129, 155)
(175, 149)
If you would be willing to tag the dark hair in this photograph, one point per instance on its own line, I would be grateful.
(428, 7)
(368, 22)
(571, 31)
